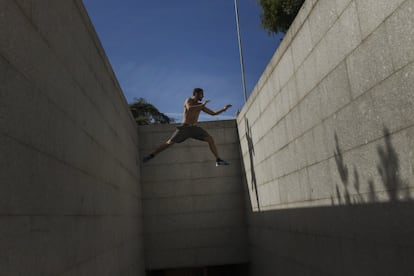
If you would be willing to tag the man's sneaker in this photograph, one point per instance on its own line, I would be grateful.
(220, 162)
(148, 158)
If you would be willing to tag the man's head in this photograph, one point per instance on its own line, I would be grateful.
(198, 94)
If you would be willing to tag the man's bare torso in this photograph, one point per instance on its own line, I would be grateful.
(190, 116)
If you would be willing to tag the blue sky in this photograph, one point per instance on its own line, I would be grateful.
(160, 50)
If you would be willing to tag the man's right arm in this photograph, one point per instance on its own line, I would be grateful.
(194, 107)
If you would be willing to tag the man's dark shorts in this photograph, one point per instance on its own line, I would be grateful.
(184, 132)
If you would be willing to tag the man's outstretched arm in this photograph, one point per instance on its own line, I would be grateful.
(216, 112)
(191, 106)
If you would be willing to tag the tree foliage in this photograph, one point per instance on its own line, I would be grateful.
(278, 15)
(146, 113)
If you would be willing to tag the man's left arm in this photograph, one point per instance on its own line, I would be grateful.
(216, 112)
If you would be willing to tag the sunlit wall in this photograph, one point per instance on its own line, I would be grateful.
(327, 134)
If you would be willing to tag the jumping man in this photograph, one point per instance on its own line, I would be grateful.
(189, 128)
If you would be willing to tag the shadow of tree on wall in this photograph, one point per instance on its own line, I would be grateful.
(250, 147)
(343, 172)
(363, 235)
(388, 168)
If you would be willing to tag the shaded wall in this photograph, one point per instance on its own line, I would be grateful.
(194, 213)
(327, 140)
(69, 185)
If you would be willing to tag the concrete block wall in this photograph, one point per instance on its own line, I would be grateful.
(70, 201)
(327, 143)
(194, 213)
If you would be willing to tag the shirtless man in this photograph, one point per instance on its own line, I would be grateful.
(189, 128)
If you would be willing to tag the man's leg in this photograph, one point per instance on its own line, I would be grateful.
(161, 148)
(213, 149)
(212, 146)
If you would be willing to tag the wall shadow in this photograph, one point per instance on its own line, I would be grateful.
(250, 147)
(343, 172)
(363, 235)
(366, 239)
(388, 168)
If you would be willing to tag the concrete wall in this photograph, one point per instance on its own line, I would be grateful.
(194, 212)
(327, 140)
(69, 185)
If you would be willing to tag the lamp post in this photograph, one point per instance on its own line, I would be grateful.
(240, 48)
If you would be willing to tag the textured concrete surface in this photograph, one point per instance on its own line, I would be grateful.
(194, 212)
(326, 138)
(328, 147)
(69, 185)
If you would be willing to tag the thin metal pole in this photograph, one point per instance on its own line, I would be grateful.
(240, 49)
